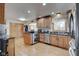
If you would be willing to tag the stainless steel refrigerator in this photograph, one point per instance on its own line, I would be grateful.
(74, 32)
(77, 30)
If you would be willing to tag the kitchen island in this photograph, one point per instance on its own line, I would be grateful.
(30, 38)
(27, 38)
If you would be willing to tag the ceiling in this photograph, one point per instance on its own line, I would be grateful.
(17, 10)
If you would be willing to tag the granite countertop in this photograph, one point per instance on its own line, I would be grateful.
(60, 33)
(52, 33)
(57, 33)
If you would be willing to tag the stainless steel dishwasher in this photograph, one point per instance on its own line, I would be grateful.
(47, 38)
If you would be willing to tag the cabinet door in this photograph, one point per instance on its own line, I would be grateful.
(13, 30)
(42, 37)
(2, 13)
(47, 22)
(61, 41)
(66, 42)
(54, 40)
(40, 23)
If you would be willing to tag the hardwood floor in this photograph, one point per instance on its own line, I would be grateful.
(11, 47)
(38, 49)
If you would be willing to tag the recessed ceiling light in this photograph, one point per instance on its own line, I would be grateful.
(59, 15)
(52, 13)
(22, 19)
(44, 4)
(29, 11)
(39, 16)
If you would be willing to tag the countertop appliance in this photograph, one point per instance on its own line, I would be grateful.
(3, 40)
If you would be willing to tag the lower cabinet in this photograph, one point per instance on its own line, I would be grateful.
(66, 42)
(27, 38)
(60, 40)
(42, 37)
(57, 40)
(54, 40)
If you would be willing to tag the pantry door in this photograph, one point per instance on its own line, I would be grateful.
(13, 30)
(16, 30)
(20, 30)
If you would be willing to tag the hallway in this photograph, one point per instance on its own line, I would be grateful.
(38, 49)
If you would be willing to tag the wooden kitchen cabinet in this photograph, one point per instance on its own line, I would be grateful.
(42, 37)
(40, 23)
(44, 22)
(27, 38)
(54, 40)
(2, 11)
(64, 41)
(48, 22)
(60, 41)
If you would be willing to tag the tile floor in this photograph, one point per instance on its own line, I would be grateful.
(38, 49)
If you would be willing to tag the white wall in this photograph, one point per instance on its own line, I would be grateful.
(33, 26)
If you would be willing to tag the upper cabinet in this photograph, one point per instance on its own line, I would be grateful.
(2, 11)
(56, 23)
(48, 22)
(44, 22)
(40, 23)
